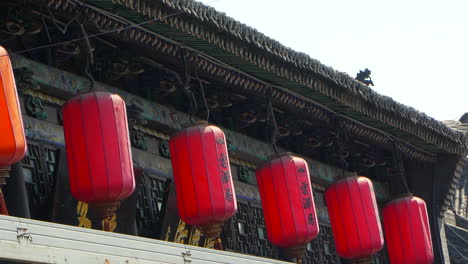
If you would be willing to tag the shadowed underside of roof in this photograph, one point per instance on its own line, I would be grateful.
(231, 42)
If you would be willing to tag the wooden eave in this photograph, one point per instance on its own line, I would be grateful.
(254, 63)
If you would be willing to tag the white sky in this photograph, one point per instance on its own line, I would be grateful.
(417, 50)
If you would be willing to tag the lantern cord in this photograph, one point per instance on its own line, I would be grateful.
(271, 114)
(342, 139)
(89, 58)
(65, 28)
(202, 89)
(3, 207)
(398, 163)
(188, 92)
(46, 29)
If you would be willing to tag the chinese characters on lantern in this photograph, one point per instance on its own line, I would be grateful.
(224, 169)
(306, 192)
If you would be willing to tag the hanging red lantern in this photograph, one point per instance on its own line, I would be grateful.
(98, 150)
(407, 231)
(202, 177)
(288, 203)
(354, 218)
(13, 141)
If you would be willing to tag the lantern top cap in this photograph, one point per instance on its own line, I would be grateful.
(87, 91)
(354, 176)
(398, 197)
(276, 156)
(279, 155)
(3, 51)
(201, 123)
(98, 93)
(191, 124)
(403, 197)
(196, 123)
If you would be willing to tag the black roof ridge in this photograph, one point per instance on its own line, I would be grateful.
(304, 61)
(364, 98)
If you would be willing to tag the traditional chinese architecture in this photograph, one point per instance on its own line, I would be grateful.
(178, 62)
(456, 217)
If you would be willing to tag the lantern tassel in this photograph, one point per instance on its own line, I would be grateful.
(213, 231)
(109, 224)
(107, 213)
(367, 260)
(218, 244)
(3, 207)
(105, 210)
(297, 252)
(4, 174)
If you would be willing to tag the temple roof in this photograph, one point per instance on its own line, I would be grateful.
(208, 31)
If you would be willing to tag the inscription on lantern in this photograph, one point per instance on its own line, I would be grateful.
(307, 201)
(229, 195)
(225, 171)
(304, 188)
(223, 160)
(225, 176)
(311, 219)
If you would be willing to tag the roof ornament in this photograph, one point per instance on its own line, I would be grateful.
(464, 118)
(364, 77)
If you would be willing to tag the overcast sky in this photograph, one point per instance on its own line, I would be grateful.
(417, 50)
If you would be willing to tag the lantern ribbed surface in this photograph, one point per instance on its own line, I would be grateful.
(407, 231)
(12, 138)
(202, 175)
(354, 217)
(98, 148)
(287, 201)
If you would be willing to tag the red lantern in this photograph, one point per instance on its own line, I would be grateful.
(98, 150)
(202, 177)
(407, 231)
(354, 218)
(12, 139)
(288, 203)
